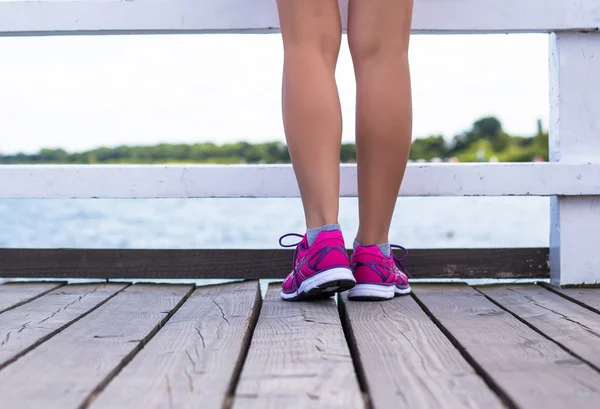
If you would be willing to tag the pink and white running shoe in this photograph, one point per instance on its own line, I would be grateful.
(378, 277)
(320, 270)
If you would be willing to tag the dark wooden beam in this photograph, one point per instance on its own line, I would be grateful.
(254, 264)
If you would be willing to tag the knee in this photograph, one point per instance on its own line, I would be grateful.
(324, 44)
(369, 45)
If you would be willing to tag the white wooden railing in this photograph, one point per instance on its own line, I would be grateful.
(572, 178)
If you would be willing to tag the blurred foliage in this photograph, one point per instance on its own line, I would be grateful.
(485, 141)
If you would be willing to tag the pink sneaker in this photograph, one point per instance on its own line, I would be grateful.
(378, 277)
(320, 270)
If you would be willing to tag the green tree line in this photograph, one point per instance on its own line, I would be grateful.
(484, 141)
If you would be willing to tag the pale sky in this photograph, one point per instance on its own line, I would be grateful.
(83, 92)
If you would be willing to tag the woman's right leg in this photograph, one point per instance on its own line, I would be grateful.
(312, 32)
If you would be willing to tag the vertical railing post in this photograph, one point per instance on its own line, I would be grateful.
(575, 138)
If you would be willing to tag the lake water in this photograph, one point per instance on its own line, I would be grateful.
(257, 223)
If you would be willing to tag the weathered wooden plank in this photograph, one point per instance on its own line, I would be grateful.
(24, 327)
(588, 297)
(532, 371)
(298, 358)
(193, 181)
(196, 357)
(20, 17)
(14, 294)
(569, 324)
(407, 362)
(255, 264)
(66, 370)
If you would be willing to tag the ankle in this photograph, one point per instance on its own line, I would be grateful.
(371, 239)
(318, 222)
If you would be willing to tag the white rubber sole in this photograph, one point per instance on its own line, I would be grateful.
(375, 292)
(323, 284)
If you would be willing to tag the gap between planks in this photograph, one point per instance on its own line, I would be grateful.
(197, 355)
(68, 304)
(140, 344)
(569, 325)
(298, 357)
(586, 297)
(23, 292)
(531, 370)
(403, 359)
(485, 376)
(84, 356)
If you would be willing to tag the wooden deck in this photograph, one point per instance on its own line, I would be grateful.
(109, 345)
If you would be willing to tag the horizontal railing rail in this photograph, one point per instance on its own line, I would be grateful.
(228, 181)
(59, 17)
(499, 263)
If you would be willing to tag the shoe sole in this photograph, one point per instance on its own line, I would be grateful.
(323, 285)
(375, 292)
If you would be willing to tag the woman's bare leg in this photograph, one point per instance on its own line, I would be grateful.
(378, 36)
(311, 31)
